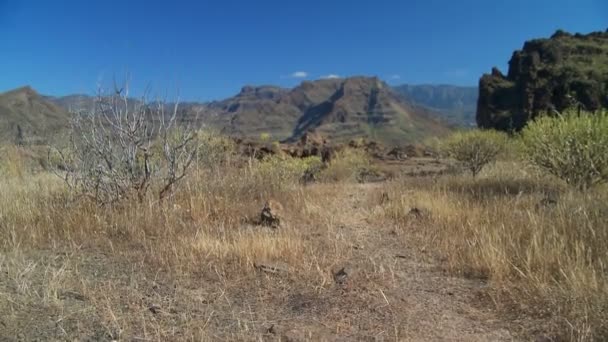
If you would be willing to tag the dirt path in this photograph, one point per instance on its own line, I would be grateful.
(423, 302)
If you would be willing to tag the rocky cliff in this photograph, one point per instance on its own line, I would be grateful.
(546, 75)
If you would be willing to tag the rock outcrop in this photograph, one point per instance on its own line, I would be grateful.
(547, 75)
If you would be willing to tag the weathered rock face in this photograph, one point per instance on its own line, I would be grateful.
(547, 75)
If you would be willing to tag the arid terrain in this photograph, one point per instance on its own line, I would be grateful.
(332, 209)
(337, 269)
(394, 259)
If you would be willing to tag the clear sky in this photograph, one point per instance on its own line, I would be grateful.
(210, 49)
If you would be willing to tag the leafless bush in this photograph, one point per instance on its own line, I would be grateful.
(126, 148)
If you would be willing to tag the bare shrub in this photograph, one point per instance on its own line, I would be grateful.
(123, 147)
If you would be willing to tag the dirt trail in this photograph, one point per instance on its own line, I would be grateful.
(423, 302)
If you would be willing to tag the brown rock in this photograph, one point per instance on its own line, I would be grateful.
(271, 214)
(384, 199)
(419, 213)
(272, 267)
(343, 274)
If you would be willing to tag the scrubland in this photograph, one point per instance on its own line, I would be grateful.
(511, 254)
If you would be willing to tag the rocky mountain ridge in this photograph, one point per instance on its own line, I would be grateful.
(340, 109)
(546, 75)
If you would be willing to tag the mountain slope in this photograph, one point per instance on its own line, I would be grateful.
(26, 116)
(456, 104)
(546, 75)
(340, 109)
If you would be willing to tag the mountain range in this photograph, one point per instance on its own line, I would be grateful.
(456, 104)
(340, 109)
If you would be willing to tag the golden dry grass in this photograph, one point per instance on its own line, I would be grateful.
(185, 269)
(57, 246)
(541, 246)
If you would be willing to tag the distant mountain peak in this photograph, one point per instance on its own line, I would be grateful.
(24, 110)
(24, 91)
(456, 104)
(340, 109)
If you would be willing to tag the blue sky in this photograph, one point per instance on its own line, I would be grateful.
(209, 49)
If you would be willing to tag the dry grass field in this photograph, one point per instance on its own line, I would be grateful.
(510, 255)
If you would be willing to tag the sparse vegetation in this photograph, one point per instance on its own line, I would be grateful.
(572, 147)
(538, 245)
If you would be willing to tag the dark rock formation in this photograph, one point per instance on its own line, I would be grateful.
(547, 75)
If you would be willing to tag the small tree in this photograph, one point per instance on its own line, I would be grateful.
(571, 146)
(123, 147)
(474, 149)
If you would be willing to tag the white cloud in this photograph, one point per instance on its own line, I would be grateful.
(299, 74)
(394, 77)
(331, 76)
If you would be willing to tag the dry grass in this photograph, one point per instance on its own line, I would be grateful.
(118, 261)
(184, 269)
(541, 246)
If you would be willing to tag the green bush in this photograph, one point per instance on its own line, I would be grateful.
(214, 149)
(279, 172)
(572, 147)
(474, 149)
(347, 164)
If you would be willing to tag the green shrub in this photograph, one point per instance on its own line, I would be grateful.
(571, 147)
(474, 149)
(214, 149)
(279, 172)
(347, 164)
